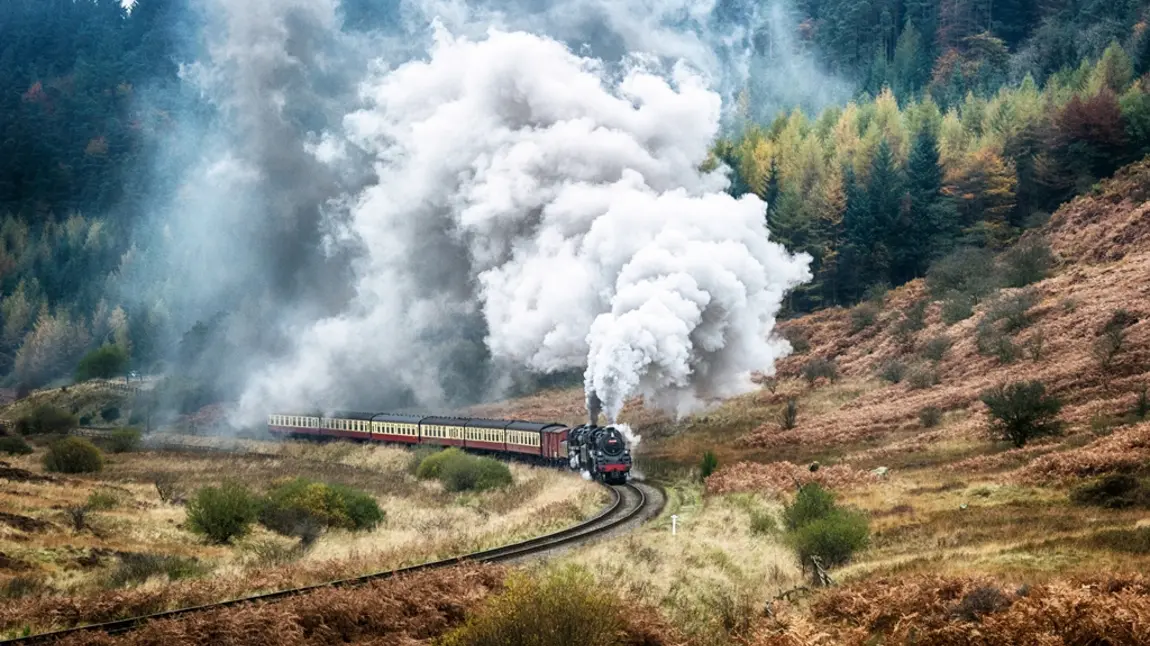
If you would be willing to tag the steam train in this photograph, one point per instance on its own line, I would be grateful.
(599, 451)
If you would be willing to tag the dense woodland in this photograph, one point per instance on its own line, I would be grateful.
(973, 119)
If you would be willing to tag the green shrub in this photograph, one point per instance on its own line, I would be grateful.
(137, 568)
(110, 413)
(1027, 262)
(222, 513)
(811, 502)
(833, 538)
(930, 416)
(817, 527)
(1115, 491)
(14, 445)
(1021, 411)
(104, 362)
(431, 466)
(462, 472)
(418, 455)
(73, 455)
(762, 523)
(708, 464)
(1142, 404)
(471, 473)
(936, 347)
(125, 440)
(102, 500)
(819, 367)
(892, 371)
(963, 271)
(564, 607)
(46, 419)
(290, 506)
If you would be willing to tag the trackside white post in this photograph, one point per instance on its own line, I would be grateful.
(674, 523)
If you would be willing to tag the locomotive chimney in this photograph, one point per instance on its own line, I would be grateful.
(593, 408)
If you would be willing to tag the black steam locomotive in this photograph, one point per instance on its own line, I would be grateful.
(599, 451)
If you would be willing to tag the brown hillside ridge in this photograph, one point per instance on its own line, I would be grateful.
(972, 540)
(1103, 245)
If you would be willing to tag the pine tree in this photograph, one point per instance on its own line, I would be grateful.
(770, 191)
(858, 238)
(933, 225)
(885, 193)
(910, 70)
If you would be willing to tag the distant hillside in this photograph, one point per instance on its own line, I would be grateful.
(1048, 331)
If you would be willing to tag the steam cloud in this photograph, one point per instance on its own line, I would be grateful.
(564, 205)
(526, 195)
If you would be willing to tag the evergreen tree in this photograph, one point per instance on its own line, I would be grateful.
(858, 238)
(933, 218)
(910, 68)
(770, 191)
(885, 192)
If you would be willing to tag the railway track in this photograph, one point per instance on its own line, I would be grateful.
(631, 504)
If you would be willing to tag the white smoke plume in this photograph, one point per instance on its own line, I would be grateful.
(629, 435)
(564, 206)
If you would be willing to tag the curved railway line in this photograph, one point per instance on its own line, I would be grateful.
(631, 505)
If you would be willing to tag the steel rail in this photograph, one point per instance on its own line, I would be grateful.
(598, 524)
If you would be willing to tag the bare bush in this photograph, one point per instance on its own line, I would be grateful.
(930, 416)
(77, 517)
(936, 347)
(1027, 262)
(168, 488)
(922, 376)
(818, 368)
(1021, 411)
(798, 339)
(892, 371)
(789, 416)
(863, 316)
(981, 601)
(1111, 339)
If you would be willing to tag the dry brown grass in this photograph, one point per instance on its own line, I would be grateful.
(423, 522)
(711, 577)
(945, 611)
(405, 610)
(779, 477)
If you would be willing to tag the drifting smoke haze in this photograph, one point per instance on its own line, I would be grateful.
(389, 220)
